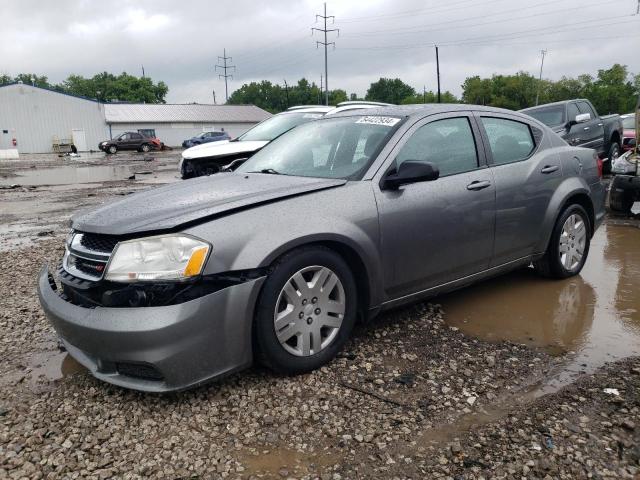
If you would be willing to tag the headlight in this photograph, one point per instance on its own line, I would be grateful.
(170, 257)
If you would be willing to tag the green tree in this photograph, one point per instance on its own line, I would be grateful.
(389, 90)
(109, 87)
(33, 79)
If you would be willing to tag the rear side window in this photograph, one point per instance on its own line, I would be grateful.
(448, 144)
(509, 140)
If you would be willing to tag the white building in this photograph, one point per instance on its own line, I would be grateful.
(37, 119)
(173, 123)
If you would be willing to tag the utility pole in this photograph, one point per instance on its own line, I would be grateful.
(320, 97)
(214, 96)
(286, 89)
(326, 44)
(424, 94)
(438, 71)
(543, 53)
(225, 67)
(142, 71)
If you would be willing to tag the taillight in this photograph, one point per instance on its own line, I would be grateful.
(600, 166)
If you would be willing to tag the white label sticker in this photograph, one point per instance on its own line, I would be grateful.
(377, 120)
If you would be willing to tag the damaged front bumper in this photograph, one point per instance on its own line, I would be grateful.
(162, 348)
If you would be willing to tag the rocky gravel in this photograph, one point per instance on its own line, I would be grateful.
(410, 397)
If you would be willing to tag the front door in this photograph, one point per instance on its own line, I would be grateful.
(442, 230)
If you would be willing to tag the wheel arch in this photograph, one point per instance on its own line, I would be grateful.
(572, 192)
(350, 254)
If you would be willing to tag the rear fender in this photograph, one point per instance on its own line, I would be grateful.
(569, 188)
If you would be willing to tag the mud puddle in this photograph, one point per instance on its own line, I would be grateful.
(70, 174)
(593, 317)
(42, 369)
(284, 463)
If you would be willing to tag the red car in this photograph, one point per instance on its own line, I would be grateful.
(629, 133)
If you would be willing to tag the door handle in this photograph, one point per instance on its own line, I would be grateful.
(599, 124)
(586, 128)
(549, 169)
(478, 185)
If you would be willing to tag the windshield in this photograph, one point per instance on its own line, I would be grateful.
(331, 148)
(277, 125)
(629, 123)
(550, 116)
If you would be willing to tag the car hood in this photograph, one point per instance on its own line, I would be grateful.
(194, 201)
(222, 148)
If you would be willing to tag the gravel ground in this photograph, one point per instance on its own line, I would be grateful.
(410, 397)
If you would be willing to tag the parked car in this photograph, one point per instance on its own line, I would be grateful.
(629, 132)
(579, 124)
(130, 141)
(209, 159)
(336, 220)
(206, 137)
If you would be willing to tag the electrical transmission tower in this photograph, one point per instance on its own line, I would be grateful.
(326, 44)
(225, 67)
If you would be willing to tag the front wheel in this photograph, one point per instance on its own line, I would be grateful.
(306, 310)
(569, 245)
(112, 149)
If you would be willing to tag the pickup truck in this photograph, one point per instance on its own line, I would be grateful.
(578, 123)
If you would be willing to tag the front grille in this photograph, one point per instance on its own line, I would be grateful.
(89, 267)
(136, 370)
(99, 243)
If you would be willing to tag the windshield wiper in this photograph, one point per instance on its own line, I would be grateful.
(268, 170)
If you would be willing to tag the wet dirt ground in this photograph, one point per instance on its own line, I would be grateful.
(503, 379)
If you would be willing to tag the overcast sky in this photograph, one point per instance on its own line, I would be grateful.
(178, 42)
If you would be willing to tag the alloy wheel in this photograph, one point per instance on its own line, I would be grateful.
(572, 242)
(309, 311)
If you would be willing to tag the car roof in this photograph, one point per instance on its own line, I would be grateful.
(308, 109)
(553, 104)
(425, 109)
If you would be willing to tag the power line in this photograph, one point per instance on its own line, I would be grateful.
(326, 44)
(225, 67)
(543, 53)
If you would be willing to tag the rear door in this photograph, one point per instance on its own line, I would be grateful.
(438, 231)
(525, 175)
(135, 141)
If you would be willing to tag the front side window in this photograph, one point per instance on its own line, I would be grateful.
(586, 108)
(332, 148)
(572, 111)
(509, 140)
(448, 144)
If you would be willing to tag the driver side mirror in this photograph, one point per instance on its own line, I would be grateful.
(411, 171)
(581, 118)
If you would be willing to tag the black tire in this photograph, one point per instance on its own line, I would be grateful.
(619, 200)
(145, 148)
(550, 264)
(112, 149)
(612, 155)
(269, 351)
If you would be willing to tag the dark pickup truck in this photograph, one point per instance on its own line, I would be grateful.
(578, 123)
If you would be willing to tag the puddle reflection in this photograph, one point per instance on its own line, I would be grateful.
(595, 314)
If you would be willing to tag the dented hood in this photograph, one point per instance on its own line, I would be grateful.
(193, 201)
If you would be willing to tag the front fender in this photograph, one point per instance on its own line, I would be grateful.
(568, 188)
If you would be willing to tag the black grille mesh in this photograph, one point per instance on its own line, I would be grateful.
(99, 243)
(94, 269)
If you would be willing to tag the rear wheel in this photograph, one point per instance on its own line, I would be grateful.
(306, 311)
(145, 148)
(614, 153)
(112, 149)
(569, 245)
(620, 199)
